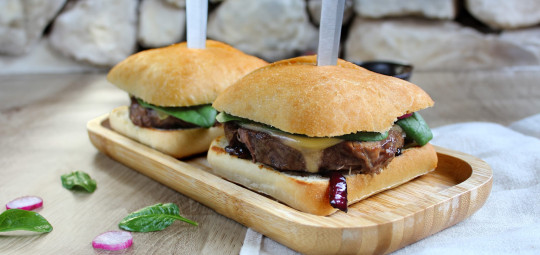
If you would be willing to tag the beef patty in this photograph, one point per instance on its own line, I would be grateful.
(354, 156)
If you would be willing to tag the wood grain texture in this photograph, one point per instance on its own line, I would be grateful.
(380, 224)
(43, 135)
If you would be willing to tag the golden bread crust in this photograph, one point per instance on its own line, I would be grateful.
(297, 96)
(310, 194)
(179, 76)
(178, 143)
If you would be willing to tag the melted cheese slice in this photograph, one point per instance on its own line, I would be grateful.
(310, 147)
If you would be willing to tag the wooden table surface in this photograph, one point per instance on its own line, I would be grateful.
(43, 135)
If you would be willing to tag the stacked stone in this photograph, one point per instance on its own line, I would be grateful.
(82, 35)
(426, 34)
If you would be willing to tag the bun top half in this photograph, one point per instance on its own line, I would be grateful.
(297, 96)
(179, 76)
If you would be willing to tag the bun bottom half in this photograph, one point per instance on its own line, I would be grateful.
(309, 192)
(178, 143)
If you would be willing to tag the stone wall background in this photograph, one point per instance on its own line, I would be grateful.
(53, 36)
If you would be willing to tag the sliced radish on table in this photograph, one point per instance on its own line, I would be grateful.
(25, 203)
(113, 240)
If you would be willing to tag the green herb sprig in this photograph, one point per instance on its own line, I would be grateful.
(17, 219)
(200, 115)
(416, 128)
(358, 136)
(78, 180)
(153, 218)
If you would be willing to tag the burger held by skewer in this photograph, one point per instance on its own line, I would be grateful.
(171, 90)
(321, 138)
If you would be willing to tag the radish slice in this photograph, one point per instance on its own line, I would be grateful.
(405, 116)
(25, 203)
(113, 240)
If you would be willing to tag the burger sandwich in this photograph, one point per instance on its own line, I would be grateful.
(171, 91)
(320, 138)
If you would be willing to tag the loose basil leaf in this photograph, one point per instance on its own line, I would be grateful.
(416, 128)
(153, 218)
(200, 115)
(17, 219)
(78, 180)
(365, 136)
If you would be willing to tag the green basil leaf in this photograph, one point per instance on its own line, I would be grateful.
(359, 136)
(17, 219)
(416, 128)
(153, 218)
(200, 115)
(365, 136)
(78, 180)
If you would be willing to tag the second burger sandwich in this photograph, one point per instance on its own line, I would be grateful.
(320, 138)
(171, 90)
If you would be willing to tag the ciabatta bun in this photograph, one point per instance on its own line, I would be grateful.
(181, 76)
(309, 193)
(178, 143)
(296, 96)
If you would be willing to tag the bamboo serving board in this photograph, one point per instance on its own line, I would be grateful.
(380, 224)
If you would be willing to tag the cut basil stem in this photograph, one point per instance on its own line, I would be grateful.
(200, 115)
(153, 218)
(17, 219)
(416, 128)
(78, 180)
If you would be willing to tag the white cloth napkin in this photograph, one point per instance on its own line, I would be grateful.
(509, 222)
